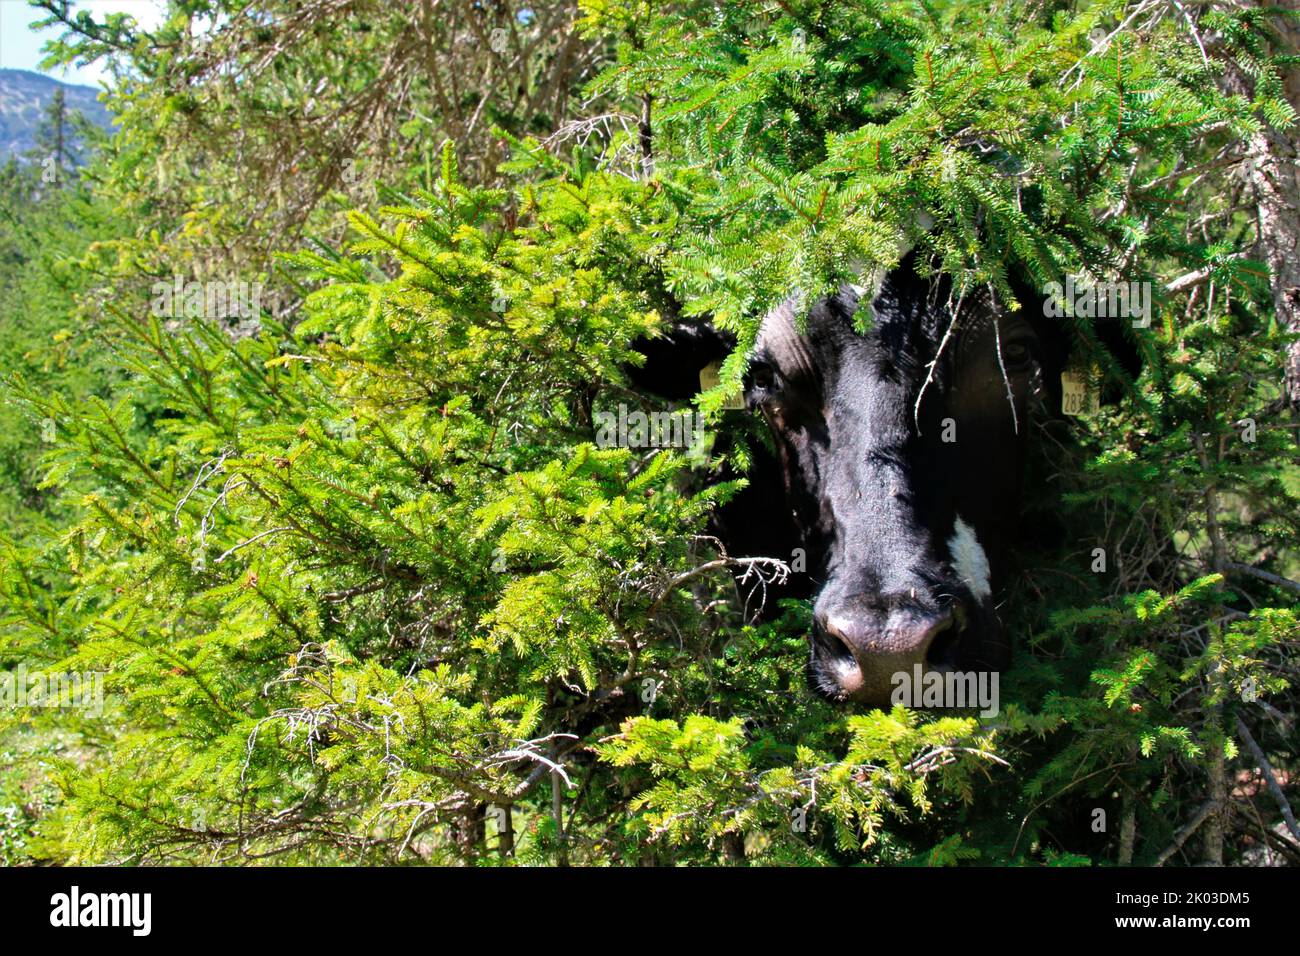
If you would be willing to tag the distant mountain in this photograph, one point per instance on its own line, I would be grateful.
(23, 97)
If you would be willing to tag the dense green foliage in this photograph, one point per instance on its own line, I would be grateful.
(360, 582)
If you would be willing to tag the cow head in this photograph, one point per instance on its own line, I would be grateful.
(902, 451)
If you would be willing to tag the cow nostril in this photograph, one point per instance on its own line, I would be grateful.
(835, 643)
(835, 660)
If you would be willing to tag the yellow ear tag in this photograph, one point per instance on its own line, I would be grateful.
(1080, 395)
(710, 377)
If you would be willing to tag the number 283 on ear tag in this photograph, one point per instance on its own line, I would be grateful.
(1080, 395)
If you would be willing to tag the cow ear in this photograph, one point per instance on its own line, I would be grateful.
(674, 360)
(1060, 346)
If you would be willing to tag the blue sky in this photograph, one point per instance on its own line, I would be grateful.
(20, 47)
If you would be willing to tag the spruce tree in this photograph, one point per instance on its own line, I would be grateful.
(365, 587)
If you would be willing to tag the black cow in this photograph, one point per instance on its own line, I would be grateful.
(901, 452)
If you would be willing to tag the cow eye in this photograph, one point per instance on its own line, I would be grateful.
(1016, 353)
(761, 381)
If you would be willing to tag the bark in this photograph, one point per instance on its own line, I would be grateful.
(506, 832)
(1216, 825)
(1127, 833)
(468, 832)
(1272, 174)
(733, 848)
(1273, 179)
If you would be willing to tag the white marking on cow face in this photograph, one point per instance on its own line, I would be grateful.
(969, 560)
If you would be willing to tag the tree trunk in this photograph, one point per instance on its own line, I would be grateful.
(469, 832)
(1272, 172)
(733, 848)
(1215, 826)
(506, 831)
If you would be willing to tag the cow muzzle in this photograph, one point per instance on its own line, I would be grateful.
(858, 651)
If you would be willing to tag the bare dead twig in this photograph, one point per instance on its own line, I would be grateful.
(1202, 814)
(1267, 770)
(1268, 576)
